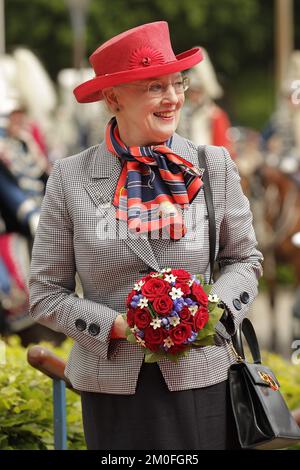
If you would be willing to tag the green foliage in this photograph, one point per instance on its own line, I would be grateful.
(26, 420)
(252, 99)
(26, 411)
(285, 276)
(288, 376)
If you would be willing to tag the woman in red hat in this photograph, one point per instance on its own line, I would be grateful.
(106, 217)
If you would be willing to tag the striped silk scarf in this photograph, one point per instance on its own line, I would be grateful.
(153, 181)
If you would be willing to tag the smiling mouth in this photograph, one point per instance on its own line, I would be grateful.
(165, 115)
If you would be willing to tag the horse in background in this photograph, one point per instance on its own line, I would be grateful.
(275, 203)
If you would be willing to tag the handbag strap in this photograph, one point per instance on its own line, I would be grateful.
(246, 326)
(247, 329)
(210, 210)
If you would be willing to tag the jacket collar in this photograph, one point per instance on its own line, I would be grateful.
(105, 172)
(105, 163)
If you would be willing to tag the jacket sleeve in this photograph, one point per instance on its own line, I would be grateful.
(239, 260)
(53, 301)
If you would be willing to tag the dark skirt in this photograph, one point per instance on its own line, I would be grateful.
(156, 419)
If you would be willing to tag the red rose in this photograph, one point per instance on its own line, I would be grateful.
(185, 315)
(130, 317)
(184, 287)
(180, 333)
(181, 275)
(177, 348)
(142, 318)
(155, 287)
(200, 318)
(129, 297)
(199, 294)
(153, 338)
(163, 305)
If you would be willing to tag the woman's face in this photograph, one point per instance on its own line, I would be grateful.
(149, 110)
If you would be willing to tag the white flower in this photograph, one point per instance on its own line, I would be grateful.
(176, 293)
(143, 302)
(155, 274)
(156, 323)
(213, 298)
(193, 309)
(190, 282)
(134, 329)
(174, 321)
(168, 342)
(138, 285)
(170, 278)
(165, 270)
(140, 341)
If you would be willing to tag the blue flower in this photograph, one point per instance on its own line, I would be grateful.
(165, 321)
(192, 337)
(133, 304)
(178, 304)
(188, 301)
(136, 298)
(172, 313)
(178, 307)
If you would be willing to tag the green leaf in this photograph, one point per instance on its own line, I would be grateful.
(153, 357)
(215, 315)
(128, 331)
(200, 278)
(207, 288)
(207, 330)
(207, 341)
(175, 357)
(132, 339)
(151, 310)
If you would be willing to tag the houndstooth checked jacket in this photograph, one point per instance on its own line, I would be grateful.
(77, 233)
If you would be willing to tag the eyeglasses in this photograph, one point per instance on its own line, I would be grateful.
(157, 88)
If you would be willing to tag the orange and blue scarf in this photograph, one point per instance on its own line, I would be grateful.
(153, 180)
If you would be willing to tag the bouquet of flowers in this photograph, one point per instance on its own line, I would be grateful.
(171, 311)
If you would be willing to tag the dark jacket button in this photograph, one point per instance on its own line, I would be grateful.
(94, 329)
(237, 304)
(245, 297)
(80, 324)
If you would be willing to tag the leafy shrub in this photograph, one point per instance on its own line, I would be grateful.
(26, 408)
(26, 411)
(288, 376)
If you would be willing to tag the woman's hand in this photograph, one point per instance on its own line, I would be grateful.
(119, 327)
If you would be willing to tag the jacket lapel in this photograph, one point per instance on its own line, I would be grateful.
(105, 173)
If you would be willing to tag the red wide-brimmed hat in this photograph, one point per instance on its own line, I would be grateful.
(140, 53)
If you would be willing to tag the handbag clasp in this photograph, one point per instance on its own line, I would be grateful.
(268, 380)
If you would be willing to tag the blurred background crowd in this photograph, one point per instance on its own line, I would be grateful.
(245, 96)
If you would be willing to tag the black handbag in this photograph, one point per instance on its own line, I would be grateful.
(262, 417)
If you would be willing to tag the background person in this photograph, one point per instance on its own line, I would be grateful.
(202, 120)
